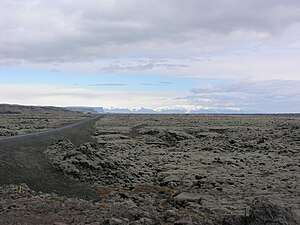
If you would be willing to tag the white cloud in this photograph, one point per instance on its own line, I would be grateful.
(64, 96)
(239, 36)
(235, 66)
(258, 96)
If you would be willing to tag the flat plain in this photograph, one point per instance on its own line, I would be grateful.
(165, 169)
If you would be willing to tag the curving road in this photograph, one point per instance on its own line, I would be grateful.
(22, 160)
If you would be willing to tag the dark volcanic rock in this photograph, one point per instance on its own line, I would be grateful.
(264, 212)
(174, 169)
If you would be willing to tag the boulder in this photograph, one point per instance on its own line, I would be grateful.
(264, 212)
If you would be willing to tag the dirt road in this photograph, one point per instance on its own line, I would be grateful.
(22, 160)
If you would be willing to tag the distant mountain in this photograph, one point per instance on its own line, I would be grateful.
(83, 109)
(216, 111)
(117, 110)
(126, 110)
(144, 110)
(165, 110)
(170, 110)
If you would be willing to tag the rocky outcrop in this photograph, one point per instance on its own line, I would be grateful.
(265, 212)
(88, 162)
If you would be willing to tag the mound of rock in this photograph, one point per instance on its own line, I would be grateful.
(264, 212)
(88, 162)
(170, 137)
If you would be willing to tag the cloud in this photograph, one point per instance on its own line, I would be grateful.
(108, 84)
(144, 64)
(64, 96)
(254, 42)
(262, 66)
(162, 83)
(258, 96)
(74, 30)
(165, 83)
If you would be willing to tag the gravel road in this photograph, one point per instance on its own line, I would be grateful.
(22, 160)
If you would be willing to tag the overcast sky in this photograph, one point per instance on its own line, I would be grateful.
(193, 54)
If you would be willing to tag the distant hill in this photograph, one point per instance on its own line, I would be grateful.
(32, 110)
(19, 119)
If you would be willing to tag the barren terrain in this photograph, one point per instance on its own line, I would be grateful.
(158, 169)
(18, 119)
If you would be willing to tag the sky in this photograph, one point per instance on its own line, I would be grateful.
(236, 55)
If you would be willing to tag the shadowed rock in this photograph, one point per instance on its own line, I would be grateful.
(264, 212)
